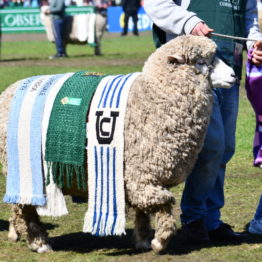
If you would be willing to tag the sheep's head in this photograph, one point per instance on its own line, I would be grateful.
(192, 49)
(197, 52)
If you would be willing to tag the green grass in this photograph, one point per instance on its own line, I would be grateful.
(122, 55)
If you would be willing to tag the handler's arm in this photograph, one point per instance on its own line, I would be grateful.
(171, 17)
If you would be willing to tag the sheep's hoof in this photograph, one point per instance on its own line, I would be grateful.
(156, 246)
(143, 245)
(40, 249)
(44, 249)
(33, 246)
(12, 235)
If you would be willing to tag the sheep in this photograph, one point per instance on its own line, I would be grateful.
(168, 110)
(71, 35)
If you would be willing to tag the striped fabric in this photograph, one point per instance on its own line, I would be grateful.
(86, 28)
(56, 205)
(254, 94)
(25, 178)
(106, 208)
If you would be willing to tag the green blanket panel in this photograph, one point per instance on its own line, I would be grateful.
(66, 134)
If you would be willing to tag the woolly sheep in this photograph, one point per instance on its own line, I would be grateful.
(71, 35)
(167, 115)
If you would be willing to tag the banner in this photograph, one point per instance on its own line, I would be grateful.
(116, 20)
(27, 20)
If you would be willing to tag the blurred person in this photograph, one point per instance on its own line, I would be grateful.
(101, 7)
(15, 3)
(79, 2)
(254, 95)
(27, 3)
(130, 8)
(68, 2)
(57, 12)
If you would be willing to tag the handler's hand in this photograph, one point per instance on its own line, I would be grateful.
(257, 54)
(201, 29)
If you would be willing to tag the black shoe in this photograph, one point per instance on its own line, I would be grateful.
(226, 233)
(123, 34)
(196, 232)
(57, 56)
(136, 33)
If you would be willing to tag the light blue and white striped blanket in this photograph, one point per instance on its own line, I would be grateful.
(106, 207)
(25, 176)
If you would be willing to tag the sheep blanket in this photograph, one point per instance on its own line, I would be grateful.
(79, 27)
(106, 210)
(254, 94)
(86, 28)
(106, 197)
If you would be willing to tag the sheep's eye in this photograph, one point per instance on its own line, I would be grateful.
(171, 62)
(200, 62)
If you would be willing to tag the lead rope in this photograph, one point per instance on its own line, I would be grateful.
(234, 37)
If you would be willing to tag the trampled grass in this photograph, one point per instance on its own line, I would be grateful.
(122, 55)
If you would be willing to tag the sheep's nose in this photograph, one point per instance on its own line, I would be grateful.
(233, 75)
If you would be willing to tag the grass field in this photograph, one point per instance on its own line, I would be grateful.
(122, 55)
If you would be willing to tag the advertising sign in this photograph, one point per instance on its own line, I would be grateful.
(21, 20)
(27, 20)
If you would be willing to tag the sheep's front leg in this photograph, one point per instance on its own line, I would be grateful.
(17, 224)
(143, 231)
(14, 234)
(25, 221)
(164, 229)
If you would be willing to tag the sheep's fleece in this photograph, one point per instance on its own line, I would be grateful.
(167, 115)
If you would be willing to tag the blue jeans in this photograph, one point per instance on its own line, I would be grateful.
(258, 214)
(59, 30)
(203, 195)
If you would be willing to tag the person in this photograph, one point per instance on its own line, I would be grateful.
(203, 194)
(255, 225)
(254, 95)
(130, 8)
(57, 11)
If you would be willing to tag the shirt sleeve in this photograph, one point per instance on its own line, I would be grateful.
(252, 26)
(171, 17)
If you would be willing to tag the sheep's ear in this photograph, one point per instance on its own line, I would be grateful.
(176, 59)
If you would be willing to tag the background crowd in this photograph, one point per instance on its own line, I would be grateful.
(37, 3)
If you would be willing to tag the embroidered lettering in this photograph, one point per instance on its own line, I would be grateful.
(103, 136)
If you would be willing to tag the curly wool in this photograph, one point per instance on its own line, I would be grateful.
(166, 121)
